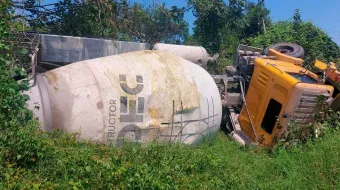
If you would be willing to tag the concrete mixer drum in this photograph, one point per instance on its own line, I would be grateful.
(140, 96)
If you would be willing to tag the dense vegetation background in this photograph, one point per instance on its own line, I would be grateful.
(219, 26)
(32, 159)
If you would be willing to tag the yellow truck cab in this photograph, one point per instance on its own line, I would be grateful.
(280, 90)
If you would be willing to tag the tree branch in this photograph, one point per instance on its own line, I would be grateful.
(20, 2)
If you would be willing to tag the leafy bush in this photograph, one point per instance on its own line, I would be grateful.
(327, 120)
(16, 145)
(218, 67)
(12, 104)
(218, 164)
(317, 44)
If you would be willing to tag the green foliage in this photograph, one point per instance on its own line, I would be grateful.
(211, 17)
(299, 135)
(61, 162)
(317, 44)
(248, 18)
(12, 104)
(15, 146)
(219, 66)
(72, 17)
(219, 27)
(278, 32)
(109, 19)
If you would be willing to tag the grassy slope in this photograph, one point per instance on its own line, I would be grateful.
(62, 164)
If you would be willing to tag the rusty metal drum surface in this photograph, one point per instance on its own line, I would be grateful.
(195, 54)
(140, 96)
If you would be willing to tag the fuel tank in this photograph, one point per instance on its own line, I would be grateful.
(140, 96)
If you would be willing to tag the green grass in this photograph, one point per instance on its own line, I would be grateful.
(33, 159)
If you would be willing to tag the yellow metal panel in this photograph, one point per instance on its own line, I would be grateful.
(285, 58)
(320, 65)
(280, 94)
(268, 82)
(254, 102)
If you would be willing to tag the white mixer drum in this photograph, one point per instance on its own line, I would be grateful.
(140, 96)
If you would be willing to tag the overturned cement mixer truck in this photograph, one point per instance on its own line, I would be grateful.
(164, 95)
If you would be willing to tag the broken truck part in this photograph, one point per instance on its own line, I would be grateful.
(331, 76)
(139, 96)
(265, 92)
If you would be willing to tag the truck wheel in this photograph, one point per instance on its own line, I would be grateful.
(290, 49)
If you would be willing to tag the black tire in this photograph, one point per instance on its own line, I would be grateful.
(290, 49)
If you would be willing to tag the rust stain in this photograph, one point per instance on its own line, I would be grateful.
(100, 105)
(178, 87)
(62, 102)
(52, 79)
(156, 117)
(154, 113)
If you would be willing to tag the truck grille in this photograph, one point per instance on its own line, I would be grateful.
(305, 110)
